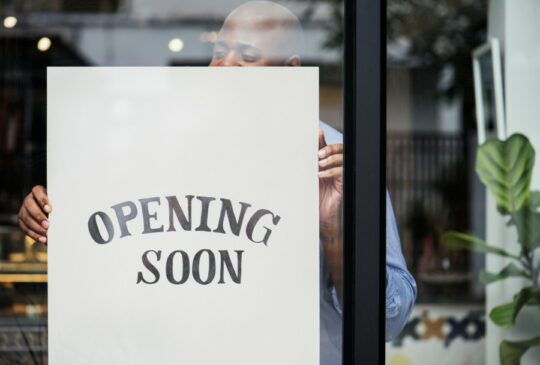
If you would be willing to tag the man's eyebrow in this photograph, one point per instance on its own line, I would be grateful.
(221, 44)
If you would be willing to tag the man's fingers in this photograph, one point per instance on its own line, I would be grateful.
(336, 172)
(330, 150)
(35, 236)
(331, 161)
(27, 231)
(40, 194)
(35, 211)
(32, 224)
(322, 141)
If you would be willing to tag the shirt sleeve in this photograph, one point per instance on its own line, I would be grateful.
(401, 287)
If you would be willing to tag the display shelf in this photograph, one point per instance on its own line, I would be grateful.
(23, 278)
(21, 259)
(23, 340)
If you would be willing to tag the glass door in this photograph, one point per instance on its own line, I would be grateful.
(340, 40)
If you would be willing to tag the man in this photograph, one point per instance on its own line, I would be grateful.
(262, 33)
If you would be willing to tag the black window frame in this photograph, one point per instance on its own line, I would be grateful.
(364, 182)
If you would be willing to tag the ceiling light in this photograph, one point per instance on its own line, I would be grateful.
(176, 45)
(44, 44)
(10, 22)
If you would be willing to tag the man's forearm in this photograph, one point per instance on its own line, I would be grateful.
(332, 242)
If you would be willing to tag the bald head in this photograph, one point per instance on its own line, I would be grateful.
(259, 33)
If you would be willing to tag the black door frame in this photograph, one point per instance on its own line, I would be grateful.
(365, 181)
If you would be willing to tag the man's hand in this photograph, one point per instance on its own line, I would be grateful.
(33, 215)
(330, 207)
(330, 185)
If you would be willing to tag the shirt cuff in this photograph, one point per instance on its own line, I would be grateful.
(335, 301)
(393, 299)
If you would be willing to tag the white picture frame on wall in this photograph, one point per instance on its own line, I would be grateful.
(488, 91)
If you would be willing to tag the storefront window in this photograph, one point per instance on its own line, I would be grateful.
(37, 35)
(439, 53)
(431, 143)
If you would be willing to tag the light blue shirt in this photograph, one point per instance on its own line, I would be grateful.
(400, 290)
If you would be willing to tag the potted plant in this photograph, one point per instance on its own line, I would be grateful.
(505, 168)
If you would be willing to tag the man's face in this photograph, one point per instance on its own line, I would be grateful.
(237, 54)
(249, 43)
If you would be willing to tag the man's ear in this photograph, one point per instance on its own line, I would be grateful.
(293, 61)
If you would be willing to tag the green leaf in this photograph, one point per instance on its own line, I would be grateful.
(509, 270)
(527, 223)
(521, 299)
(510, 352)
(534, 202)
(502, 315)
(505, 315)
(534, 298)
(505, 167)
(456, 240)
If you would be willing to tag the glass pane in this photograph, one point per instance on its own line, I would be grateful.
(455, 73)
(39, 34)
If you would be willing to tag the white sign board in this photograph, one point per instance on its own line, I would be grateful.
(185, 216)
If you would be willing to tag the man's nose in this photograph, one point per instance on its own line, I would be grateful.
(231, 59)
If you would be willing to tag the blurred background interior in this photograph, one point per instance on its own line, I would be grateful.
(431, 139)
(431, 148)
